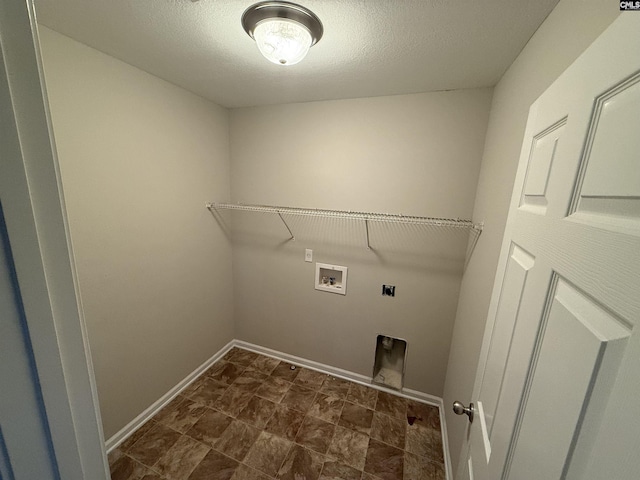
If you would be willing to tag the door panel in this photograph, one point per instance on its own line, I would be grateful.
(576, 337)
(561, 347)
(608, 192)
(519, 263)
(543, 151)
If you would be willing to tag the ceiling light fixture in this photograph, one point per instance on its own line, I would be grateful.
(283, 31)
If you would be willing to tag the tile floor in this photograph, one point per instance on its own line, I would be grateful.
(251, 417)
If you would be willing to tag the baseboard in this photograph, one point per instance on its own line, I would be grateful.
(445, 442)
(155, 407)
(137, 422)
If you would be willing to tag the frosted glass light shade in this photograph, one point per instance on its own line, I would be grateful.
(282, 41)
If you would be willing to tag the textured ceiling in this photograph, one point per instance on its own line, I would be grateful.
(369, 47)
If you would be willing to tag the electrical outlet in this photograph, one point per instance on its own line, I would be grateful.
(389, 290)
(308, 255)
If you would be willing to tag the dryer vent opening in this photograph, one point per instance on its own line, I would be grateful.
(389, 362)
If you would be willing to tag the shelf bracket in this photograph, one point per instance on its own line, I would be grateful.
(285, 224)
(366, 225)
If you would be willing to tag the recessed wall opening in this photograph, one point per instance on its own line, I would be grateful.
(389, 362)
(331, 278)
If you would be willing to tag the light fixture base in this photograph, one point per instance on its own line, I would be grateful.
(267, 10)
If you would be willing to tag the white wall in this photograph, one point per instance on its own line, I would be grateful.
(411, 154)
(567, 32)
(139, 158)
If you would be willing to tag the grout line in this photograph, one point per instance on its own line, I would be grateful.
(344, 401)
(335, 428)
(293, 444)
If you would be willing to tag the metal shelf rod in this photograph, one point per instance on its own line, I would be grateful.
(373, 217)
(286, 225)
(366, 225)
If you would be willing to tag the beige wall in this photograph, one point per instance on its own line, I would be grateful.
(411, 154)
(568, 30)
(139, 158)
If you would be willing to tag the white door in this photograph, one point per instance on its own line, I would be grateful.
(25, 441)
(559, 379)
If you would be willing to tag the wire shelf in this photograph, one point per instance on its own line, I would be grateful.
(374, 217)
(363, 216)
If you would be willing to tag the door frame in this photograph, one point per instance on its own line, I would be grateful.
(33, 203)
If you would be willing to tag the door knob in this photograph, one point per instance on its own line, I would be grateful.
(460, 409)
